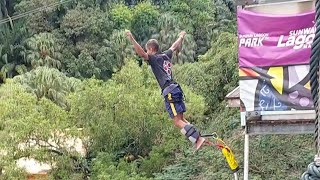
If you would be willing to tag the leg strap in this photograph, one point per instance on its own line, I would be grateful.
(191, 133)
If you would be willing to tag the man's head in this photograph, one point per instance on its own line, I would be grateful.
(152, 47)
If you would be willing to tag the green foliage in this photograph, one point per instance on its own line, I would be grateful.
(88, 26)
(225, 18)
(126, 117)
(82, 22)
(167, 30)
(83, 67)
(119, 48)
(118, 114)
(119, 103)
(164, 153)
(9, 68)
(107, 59)
(224, 51)
(121, 16)
(49, 83)
(97, 3)
(272, 157)
(43, 20)
(214, 76)
(32, 128)
(11, 48)
(144, 21)
(43, 50)
(11, 171)
(104, 169)
(197, 17)
(184, 167)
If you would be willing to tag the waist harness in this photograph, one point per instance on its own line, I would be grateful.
(168, 96)
(171, 99)
(168, 87)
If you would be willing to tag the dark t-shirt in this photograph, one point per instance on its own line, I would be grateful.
(161, 65)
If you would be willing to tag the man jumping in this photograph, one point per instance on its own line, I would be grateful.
(161, 65)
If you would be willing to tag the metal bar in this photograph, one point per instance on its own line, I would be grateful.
(246, 157)
(206, 135)
(257, 3)
(289, 117)
(288, 8)
(276, 2)
(236, 176)
(297, 128)
(287, 112)
(282, 122)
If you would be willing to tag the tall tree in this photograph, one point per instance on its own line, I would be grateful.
(44, 16)
(11, 50)
(84, 66)
(83, 22)
(49, 83)
(214, 75)
(122, 16)
(43, 50)
(36, 129)
(196, 17)
(103, 61)
(120, 123)
(167, 32)
(144, 21)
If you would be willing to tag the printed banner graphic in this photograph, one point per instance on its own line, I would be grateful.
(274, 54)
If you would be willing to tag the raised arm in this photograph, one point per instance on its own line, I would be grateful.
(178, 42)
(139, 50)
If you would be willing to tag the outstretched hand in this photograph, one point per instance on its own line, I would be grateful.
(182, 34)
(177, 45)
(128, 34)
(139, 50)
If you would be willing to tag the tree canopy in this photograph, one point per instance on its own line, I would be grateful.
(70, 80)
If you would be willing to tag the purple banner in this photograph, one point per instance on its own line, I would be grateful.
(274, 40)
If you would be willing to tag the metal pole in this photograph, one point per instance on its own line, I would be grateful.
(235, 176)
(246, 157)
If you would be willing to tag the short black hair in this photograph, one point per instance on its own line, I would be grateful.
(153, 44)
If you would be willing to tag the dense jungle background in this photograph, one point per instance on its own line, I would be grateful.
(68, 71)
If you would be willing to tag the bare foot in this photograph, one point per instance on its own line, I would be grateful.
(199, 143)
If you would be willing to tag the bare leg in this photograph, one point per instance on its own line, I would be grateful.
(184, 120)
(180, 122)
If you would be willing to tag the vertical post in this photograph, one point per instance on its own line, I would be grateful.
(246, 157)
(235, 176)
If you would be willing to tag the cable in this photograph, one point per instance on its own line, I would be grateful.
(314, 77)
(313, 170)
(32, 11)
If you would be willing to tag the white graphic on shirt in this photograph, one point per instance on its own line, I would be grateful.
(167, 67)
